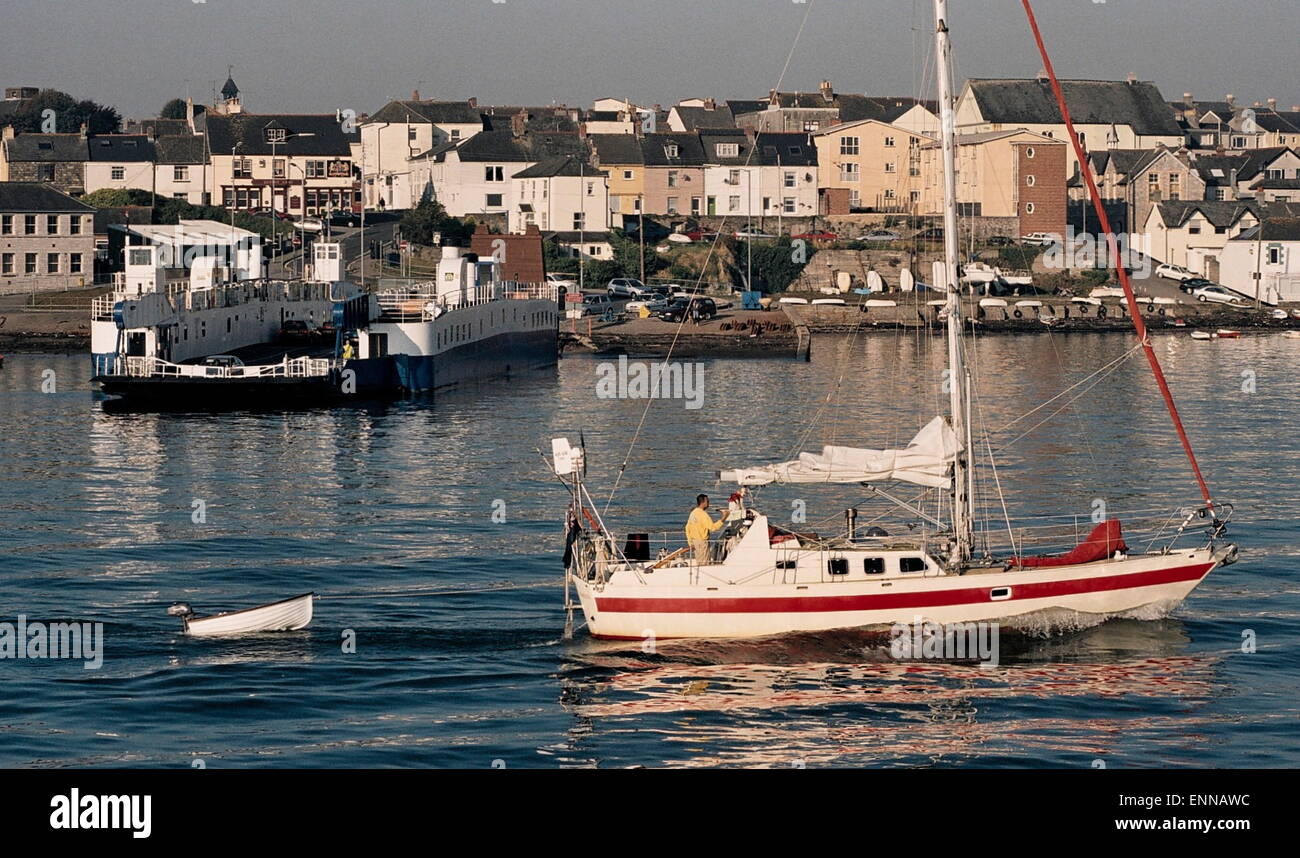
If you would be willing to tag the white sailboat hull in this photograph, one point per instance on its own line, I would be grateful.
(624, 608)
(288, 615)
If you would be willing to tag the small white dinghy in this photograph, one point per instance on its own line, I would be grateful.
(284, 616)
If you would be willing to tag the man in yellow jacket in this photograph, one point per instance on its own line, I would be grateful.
(699, 526)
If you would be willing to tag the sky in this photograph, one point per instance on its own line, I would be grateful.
(315, 56)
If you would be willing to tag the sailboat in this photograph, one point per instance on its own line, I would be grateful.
(762, 579)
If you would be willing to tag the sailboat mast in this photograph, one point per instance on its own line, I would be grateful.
(957, 380)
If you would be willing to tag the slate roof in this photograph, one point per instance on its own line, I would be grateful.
(1091, 102)
(1257, 160)
(654, 150)
(189, 149)
(565, 165)
(161, 127)
(698, 118)
(118, 148)
(37, 197)
(786, 149)
(46, 147)
(742, 106)
(616, 148)
(1206, 165)
(419, 112)
(505, 146)
(1220, 213)
(710, 140)
(308, 134)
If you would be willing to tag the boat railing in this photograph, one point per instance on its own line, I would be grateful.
(185, 298)
(1142, 530)
(153, 367)
(421, 302)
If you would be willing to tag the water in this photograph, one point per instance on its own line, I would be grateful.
(97, 522)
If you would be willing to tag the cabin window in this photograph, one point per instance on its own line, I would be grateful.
(786, 564)
(838, 566)
(911, 564)
(874, 565)
(378, 345)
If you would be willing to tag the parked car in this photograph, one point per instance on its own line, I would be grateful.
(296, 332)
(699, 235)
(1001, 241)
(1217, 295)
(345, 218)
(934, 233)
(222, 360)
(564, 281)
(880, 235)
(596, 305)
(626, 287)
(819, 235)
(1191, 284)
(310, 224)
(1173, 272)
(1040, 239)
(679, 308)
(748, 232)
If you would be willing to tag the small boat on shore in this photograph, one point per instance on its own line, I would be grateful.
(1227, 334)
(1202, 335)
(284, 616)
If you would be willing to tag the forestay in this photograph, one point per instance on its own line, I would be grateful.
(925, 461)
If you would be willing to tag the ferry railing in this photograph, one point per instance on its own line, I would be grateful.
(421, 302)
(153, 367)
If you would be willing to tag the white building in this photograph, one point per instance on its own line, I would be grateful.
(1193, 233)
(120, 161)
(563, 194)
(1275, 256)
(476, 177)
(396, 137)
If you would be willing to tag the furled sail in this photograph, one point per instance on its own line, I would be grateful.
(926, 461)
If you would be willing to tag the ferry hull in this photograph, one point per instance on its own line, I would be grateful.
(635, 611)
(218, 393)
(489, 358)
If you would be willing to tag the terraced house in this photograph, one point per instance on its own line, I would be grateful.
(401, 138)
(47, 239)
(56, 159)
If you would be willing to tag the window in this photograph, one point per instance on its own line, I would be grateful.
(1029, 208)
(1194, 228)
(1175, 188)
(787, 205)
(455, 134)
(873, 565)
(914, 196)
(276, 135)
(51, 224)
(243, 168)
(811, 125)
(672, 178)
(180, 174)
(848, 145)
(410, 134)
(728, 150)
(1238, 143)
(138, 256)
(670, 150)
(6, 263)
(6, 224)
(889, 142)
(733, 203)
(889, 193)
(627, 175)
(891, 167)
(494, 200)
(45, 172)
(848, 172)
(29, 224)
(733, 177)
(1083, 138)
(1029, 152)
(277, 168)
(795, 150)
(695, 205)
(636, 205)
(118, 173)
(494, 174)
(970, 209)
(51, 263)
(1275, 256)
(74, 263)
(788, 180)
(1029, 181)
(29, 263)
(1275, 174)
(855, 198)
(672, 205)
(911, 564)
(579, 220)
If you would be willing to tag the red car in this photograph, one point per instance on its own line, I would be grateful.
(823, 235)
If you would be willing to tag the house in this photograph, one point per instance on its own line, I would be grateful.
(47, 239)
(299, 164)
(674, 174)
(1273, 163)
(1272, 251)
(58, 160)
(733, 181)
(522, 120)
(395, 137)
(475, 176)
(706, 115)
(877, 163)
(807, 112)
(1192, 233)
(181, 168)
(120, 161)
(1129, 114)
(620, 156)
(1015, 176)
(564, 193)
(788, 178)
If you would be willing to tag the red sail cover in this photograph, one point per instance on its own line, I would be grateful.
(1103, 542)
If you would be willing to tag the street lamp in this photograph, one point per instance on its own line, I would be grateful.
(234, 160)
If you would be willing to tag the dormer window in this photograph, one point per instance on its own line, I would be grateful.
(276, 135)
(670, 150)
(45, 146)
(728, 150)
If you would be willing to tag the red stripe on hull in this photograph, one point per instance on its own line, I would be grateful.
(887, 601)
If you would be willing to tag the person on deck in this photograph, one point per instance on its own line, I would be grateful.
(348, 353)
(699, 526)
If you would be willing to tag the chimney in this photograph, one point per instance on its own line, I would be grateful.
(415, 95)
(771, 96)
(472, 102)
(85, 131)
(1188, 101)
(517, 123)
(1132, 78)
(1258, 104)
(828, 94)
(1041, 77)
(1272, 104)
(189, 112)
(150, 134)
(7, 133)
(710, 104)
(1231, 99)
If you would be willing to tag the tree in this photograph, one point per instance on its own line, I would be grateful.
(627, 256)
(775, 265)
(558, 259)
(174, 109)
(429, 217)
(65, 115)
(116, 198)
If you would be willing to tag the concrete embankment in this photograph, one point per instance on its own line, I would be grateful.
(742, 333)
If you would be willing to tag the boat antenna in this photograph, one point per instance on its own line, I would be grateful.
(1085, 170)
(957, 380)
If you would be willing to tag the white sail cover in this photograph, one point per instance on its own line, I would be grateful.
(925, 461)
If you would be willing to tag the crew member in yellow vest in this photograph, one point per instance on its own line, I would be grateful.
(699, 526)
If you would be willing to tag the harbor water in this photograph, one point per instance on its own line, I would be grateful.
(110, 516)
